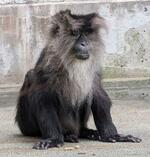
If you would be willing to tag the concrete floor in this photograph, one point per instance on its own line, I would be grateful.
(130, 117)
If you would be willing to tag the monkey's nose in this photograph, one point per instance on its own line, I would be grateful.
(83, 44)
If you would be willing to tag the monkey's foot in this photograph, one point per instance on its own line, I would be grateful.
(47, 143)
(122, 138)
(90, 134)
(71, 138)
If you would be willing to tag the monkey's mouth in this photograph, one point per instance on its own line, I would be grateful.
(82, 56)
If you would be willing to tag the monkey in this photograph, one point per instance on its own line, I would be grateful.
(64, 88)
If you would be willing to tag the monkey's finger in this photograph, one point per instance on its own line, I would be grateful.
(44, 144)
(133, 139)
(125, 138)
(40, 145)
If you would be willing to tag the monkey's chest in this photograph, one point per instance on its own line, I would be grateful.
(81, 86)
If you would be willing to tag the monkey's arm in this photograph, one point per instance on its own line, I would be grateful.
(101, 112)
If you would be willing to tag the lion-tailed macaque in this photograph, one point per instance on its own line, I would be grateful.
(64, 87)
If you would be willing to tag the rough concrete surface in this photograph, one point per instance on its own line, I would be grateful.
(6, 2)
(24, 28)
(131, 117)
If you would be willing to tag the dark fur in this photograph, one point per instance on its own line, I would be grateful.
(54, 101)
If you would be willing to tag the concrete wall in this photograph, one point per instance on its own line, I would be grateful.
(23, 30)
(4, 2)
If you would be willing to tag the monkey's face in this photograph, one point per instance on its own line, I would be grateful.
(77, 35)
(81, 48)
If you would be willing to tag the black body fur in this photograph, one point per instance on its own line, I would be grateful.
(59, 94)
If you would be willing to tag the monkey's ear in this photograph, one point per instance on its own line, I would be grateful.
(59, 20)
(54, 30)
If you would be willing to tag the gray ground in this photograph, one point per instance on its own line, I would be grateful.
(131, 117)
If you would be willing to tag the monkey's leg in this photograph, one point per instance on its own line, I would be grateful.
(24, 117)
(90, 134)
(48, 122)
(102, 117)
(85, 132)
(70, 126)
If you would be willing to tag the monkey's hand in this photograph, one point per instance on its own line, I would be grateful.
(47, 143)
(122, 138)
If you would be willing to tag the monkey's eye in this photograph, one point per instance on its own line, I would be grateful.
(89, 31)
(75, 33)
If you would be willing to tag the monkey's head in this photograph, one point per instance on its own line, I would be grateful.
(76, 36)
